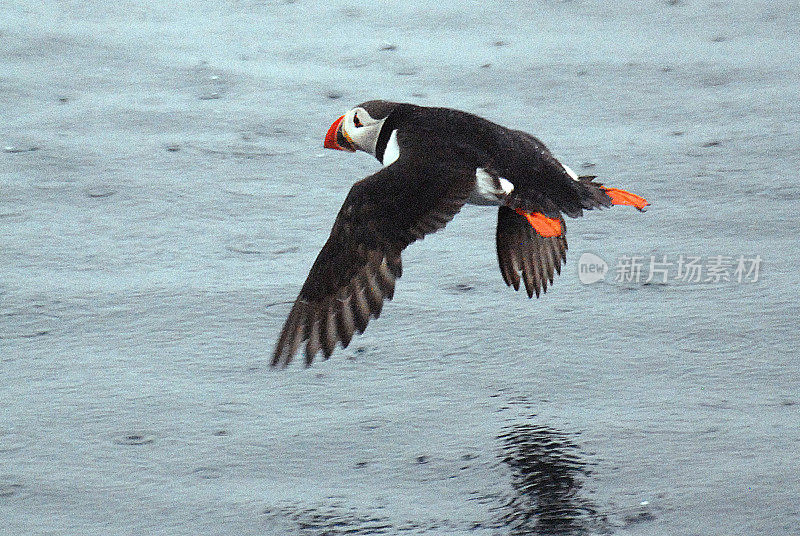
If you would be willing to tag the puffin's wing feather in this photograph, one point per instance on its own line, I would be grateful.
(358, 265)
(521, 249)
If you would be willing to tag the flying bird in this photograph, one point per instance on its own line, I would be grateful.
(434, 161)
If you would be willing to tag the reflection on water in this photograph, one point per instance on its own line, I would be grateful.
(548, 472)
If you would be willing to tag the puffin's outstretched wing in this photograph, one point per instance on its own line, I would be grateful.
(521, 249)
(358, 265)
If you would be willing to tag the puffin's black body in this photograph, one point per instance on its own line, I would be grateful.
(541, 183)
(440, 151)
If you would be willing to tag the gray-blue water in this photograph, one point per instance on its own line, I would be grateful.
(163, 192)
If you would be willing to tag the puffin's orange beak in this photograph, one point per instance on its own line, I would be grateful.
(337, 139)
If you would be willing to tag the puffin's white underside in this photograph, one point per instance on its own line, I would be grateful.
(489, 190)
(392, 151)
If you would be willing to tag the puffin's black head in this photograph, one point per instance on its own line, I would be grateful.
(359, 128)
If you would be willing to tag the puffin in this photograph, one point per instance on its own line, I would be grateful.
(434, 161)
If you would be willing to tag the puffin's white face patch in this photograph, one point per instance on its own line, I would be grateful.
(361, 129)
(392, 151)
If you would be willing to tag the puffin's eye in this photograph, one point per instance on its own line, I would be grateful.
(357, 121)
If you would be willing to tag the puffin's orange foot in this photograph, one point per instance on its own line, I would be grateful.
(542, 224)
(621, 197)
